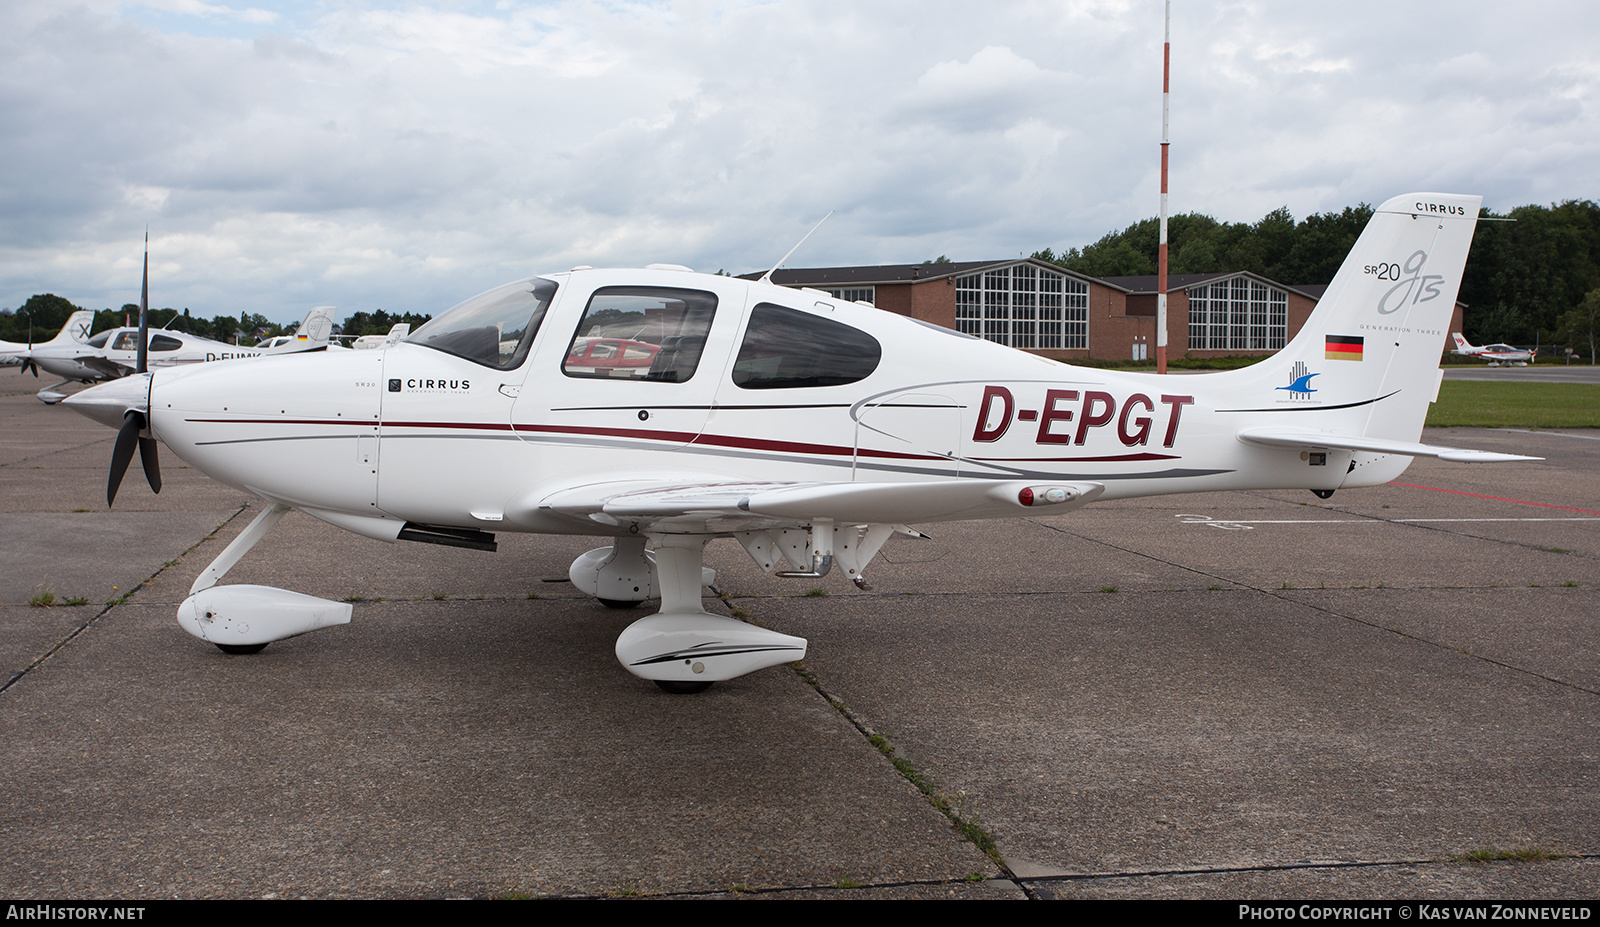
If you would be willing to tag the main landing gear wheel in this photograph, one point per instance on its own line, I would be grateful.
(620, 603)
(683, 648)
(241, 650)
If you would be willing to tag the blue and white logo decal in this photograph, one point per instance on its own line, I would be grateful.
(1299, 388)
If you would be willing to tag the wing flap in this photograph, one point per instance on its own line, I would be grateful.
(947, 500)
(720, 506)
(1269, 436)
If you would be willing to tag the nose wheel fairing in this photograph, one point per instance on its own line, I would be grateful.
(245, 615)
(245, 618)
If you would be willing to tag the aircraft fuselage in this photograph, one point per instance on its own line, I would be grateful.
(416, 434)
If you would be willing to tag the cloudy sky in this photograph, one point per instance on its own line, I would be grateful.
(403, 156)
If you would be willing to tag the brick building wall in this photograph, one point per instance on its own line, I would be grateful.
(1121, 310)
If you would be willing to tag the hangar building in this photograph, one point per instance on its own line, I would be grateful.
(1046, 309)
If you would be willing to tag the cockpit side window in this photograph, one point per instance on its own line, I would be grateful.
(786, 348)
(641, 333)
(159, 342)
(496, 328)
(127, 341)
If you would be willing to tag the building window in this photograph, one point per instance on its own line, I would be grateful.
(1238, 314)
(1025, 307)
(858, 294)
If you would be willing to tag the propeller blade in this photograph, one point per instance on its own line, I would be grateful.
(122, 452)
(30, 365)
(141, 364)
(152, 466)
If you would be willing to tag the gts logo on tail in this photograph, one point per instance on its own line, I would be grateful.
(1417, 288)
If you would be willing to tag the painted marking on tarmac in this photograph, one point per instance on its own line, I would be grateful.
(1248, 524)
(1559, 434)
(1476, 495)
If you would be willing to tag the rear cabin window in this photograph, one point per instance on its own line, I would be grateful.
(129, 341)
(786, 349)
(641, 333)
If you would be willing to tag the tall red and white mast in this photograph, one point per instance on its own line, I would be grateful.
(1161, 249)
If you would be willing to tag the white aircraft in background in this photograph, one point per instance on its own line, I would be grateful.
(75, 331)
(13, 353)
(807, 429)
(318, 317)
(112, 354)
(397, 334)
(1495, 354)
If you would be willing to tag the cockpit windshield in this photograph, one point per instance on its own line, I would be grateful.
(496, 328)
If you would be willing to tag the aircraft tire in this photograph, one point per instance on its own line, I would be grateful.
(676, 687)
(240, 650)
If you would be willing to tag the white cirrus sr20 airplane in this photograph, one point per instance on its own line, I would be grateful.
(113, 353)
(806, 429)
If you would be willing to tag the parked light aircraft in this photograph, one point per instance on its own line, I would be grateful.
(1495, 354)
(75, 331)
(111, 354)
(318, 318)
(397, 333)
(808, 429)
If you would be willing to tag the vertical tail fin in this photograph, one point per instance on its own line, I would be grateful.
(318, 325)
(312, 334)
(1375, 338)
(76, 331)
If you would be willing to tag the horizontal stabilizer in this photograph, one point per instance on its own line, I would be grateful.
(1268, 436)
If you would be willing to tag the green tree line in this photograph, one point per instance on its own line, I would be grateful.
(379, 322)
(1527, 280)
(1532, 280)
(41, 317)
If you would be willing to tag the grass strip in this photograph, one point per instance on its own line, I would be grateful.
(1479, 404)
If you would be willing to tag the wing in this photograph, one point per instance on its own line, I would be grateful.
(1269, 436)
(720, 508)
(106, 367)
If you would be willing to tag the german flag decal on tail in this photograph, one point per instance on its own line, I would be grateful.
(1344, 347)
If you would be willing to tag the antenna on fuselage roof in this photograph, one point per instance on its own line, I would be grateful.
(767, 277)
